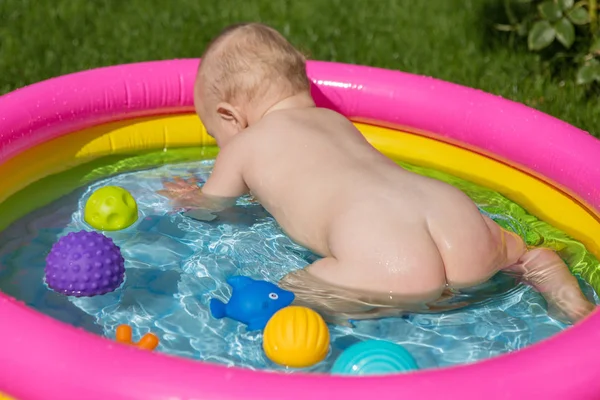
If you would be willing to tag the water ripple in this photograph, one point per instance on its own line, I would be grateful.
(175, 265)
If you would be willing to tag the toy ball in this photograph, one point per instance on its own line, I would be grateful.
(296, 337)
(110, 208)
(374, 357)
(84, 264)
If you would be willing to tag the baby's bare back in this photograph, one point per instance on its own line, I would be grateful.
(388, 230)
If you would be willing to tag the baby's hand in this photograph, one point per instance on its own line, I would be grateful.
(184, 193)
(187, 196)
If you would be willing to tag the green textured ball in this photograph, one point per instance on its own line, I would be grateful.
(111, 208)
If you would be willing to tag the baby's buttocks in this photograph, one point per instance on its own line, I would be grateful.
(381, 251)
(472, 246)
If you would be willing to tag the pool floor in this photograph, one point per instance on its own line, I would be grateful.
(174, 265)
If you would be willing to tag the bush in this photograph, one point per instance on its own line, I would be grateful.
(559, 29)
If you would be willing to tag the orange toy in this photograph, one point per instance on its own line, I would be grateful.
(148, 342)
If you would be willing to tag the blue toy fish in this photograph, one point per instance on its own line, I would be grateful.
(252, 302)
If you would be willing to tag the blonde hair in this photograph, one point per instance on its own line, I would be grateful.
(247, 60)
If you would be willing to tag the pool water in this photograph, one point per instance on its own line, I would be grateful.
(174, 265)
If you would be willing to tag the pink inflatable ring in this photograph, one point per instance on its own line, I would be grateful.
(41, 358)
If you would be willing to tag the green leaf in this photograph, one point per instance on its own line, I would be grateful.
(588, 73)
(550, 10)
(522, 29)
(565, 32)
(541, 35)
(595, 47)
(565, 4)
(579, 16)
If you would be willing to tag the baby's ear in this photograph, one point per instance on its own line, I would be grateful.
(230, 115)
(225, 111)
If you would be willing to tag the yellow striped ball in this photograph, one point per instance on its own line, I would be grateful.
(296, 337)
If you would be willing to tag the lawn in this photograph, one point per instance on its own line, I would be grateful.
(448, 39)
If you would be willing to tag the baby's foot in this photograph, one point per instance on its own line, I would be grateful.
(570, 313)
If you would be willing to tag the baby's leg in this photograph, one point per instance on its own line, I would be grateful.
(548, 274)
(543, 269)
(340, 305)
(335, 304)
(341, 291)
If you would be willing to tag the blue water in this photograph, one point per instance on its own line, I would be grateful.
(174, 265)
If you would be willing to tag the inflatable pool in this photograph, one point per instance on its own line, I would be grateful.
(545, 165)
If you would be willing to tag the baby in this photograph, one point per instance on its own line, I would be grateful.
(392, 241)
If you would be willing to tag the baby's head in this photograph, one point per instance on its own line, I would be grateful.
(244, 72)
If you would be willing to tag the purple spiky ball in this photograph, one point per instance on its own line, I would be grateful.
(84, 264)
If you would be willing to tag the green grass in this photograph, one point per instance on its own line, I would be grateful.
(447, 39)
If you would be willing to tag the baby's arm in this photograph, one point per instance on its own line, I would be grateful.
(224, 185)
(226, 182)
(221, 190)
